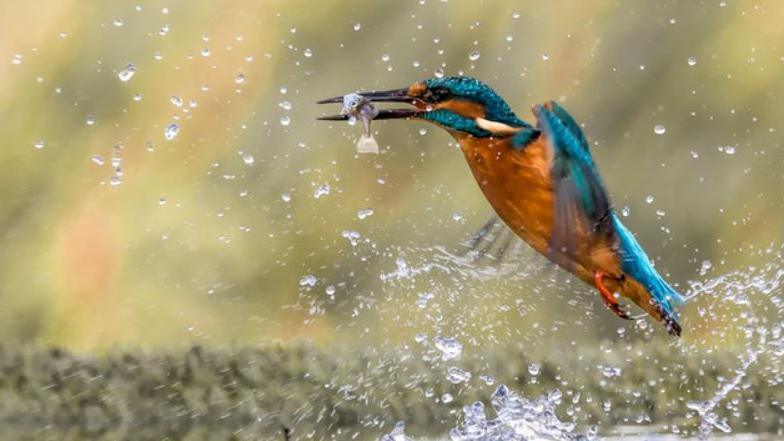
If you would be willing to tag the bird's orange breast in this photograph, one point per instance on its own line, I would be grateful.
(518, 185)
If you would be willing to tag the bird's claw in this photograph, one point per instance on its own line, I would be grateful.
(609, 299)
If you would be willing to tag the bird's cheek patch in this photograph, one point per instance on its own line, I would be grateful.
(417, 89)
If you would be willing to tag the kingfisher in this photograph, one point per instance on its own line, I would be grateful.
(543, 183)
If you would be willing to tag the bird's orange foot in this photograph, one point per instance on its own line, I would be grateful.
(608, 297)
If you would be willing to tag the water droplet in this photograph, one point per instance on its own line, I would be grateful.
(308, 280)
(439, 72)
(626, 211)
(285, 105)
(285, 197)
(659, 129)
(127, 73)
(90, 120)
(357, 26)
(39, 144)
(692, 61)
(98, 159)
(456, 375)
(248, 159)
(487, 379)
(447, 398)
(352, 236)
(17, 59)
(509, 38)
(474, 55)
(137, 97)
(177, 101)
(661, 213)
(283, 90)
(515, 15)
(450, 348)
(365, 213)
(423, 131)
(162, 201)
(205, 52)
(307, 53)
(118, 22)
(730, 150)
(534, 369)
(158, 56)
(171, 131)
(285, 120)
(115, 181)
(385, 57)
(116, 159)
(239, 79)
(545, 56)
(649, 199)
(322, 190)
(609, 371)
(423, 299)
(164, 30)
(419, 338)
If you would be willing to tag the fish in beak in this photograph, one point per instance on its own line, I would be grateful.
(386, 96)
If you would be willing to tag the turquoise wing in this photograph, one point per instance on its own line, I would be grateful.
(580, 198)
(582, 202)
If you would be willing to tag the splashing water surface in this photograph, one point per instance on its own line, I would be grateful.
(731, 300)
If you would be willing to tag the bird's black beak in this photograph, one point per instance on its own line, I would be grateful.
(385, 96)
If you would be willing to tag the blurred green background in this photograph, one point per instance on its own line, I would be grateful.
(226, 233)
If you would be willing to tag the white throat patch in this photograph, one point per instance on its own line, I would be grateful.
(496, 128)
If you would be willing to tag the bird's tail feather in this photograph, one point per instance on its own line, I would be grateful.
(655, 302)
(648, 289)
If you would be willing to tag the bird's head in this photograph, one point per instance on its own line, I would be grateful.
(462, 105)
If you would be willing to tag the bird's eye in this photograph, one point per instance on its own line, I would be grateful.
(437, 94)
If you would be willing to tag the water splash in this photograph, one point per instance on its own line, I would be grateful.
(450, 348)
(517, 419)
(398, 433)
(457, 375)
(735, 288)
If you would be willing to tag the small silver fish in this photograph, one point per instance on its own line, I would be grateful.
(360, 108)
